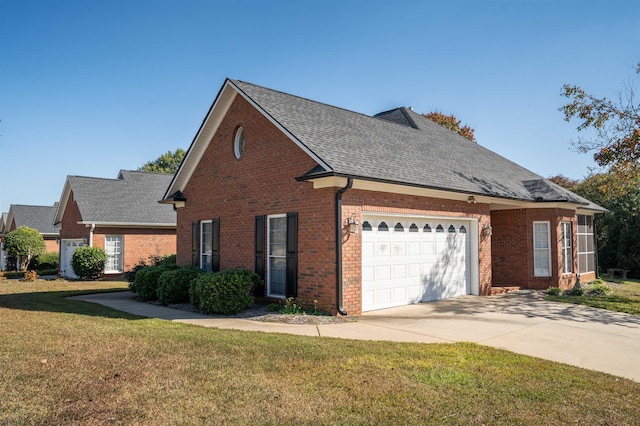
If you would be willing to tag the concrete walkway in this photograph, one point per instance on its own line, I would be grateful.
(520, 322)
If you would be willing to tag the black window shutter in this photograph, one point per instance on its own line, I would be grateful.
(292, 254)
(260, 244)
(215, 245)
(195, 233)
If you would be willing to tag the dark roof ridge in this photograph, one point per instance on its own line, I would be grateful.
(299, 97)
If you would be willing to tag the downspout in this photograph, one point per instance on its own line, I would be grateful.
(93, 227)
(341, 191)
(595, 248)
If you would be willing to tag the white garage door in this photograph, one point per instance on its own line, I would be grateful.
(68, 247)
(409, 260)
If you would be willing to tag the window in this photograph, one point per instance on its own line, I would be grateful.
(463, 230)
(238, 145)
(452, 229)
(541, 250)
(113, 248)
(567, 253)
(426, 228)
(366, 226)
(277, 245)
(206, 244)
(413, 228)
(439, 228)
(383, 227)
(398, 227)
(586, 244)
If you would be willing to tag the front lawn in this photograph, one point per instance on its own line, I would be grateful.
(624, 297)
(73, 362)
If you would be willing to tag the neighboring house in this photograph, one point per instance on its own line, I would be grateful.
(362, 213)
(39, 218)
(121, 216)
(3, 254)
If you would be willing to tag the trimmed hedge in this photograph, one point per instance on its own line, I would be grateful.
(88, 262)
(173, 285)
(226, 292)
(146, 282)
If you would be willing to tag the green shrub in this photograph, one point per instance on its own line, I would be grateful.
(575, 291)
(42, 272)
(598, 289)
(225, 292)
(151, 261)
(146, 283)
(48, 260)
(173, 285)
(554, 291)
(88, 262)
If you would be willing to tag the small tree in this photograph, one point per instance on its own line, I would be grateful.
(24, 244)
(168, 162)
(451, 123)
(88, 262)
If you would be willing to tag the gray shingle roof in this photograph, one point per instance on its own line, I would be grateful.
(132, 198)
(36, 217)
(401, 146)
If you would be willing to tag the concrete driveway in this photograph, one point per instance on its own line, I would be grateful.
(520, 322)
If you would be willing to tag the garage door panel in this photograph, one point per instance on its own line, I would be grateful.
(407, 264)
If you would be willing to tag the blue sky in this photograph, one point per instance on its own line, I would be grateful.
(91, 87)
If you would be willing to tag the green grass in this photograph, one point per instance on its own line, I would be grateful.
(72, 362)
(624, 297)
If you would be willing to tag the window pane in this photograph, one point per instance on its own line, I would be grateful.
(278, 236)
(206, 242)
(590, 245)
(277, 275)
(591, 262)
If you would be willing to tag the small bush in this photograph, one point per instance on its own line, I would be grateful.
(554, 291)
(46, 261)
(30, 276)
(598, 289)
(225, 292)
(146, 283)
(88, 262)
(575, 291)
(42, 272)
(173, 285)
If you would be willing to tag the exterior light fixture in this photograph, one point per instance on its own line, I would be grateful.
(487, 229)
(471, 200)
(352, 223)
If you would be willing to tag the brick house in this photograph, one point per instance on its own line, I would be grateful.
(363, 213)
(121, 216)
(39, 218)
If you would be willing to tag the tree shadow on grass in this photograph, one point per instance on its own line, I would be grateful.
(58, 302)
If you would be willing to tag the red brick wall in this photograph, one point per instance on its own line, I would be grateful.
(261, 182)
(512, 248)
(69, 227)
(139, 244)
(52, 245)
(357, 201)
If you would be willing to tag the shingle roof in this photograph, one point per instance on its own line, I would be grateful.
(36, 217)
(131, 198)
(403, 147)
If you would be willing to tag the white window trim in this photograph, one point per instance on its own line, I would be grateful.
(591, 235)
(121, 256)
(535, 273)
(269, 256)
(202, 252)
(567, 250)
(237, 149)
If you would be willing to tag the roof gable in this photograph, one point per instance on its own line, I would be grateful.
(398, 146)
(36, 217)
(130, 199)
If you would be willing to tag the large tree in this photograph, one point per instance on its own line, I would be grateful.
(451, 123)
(166, 163)
(616, 124)
(24, 244)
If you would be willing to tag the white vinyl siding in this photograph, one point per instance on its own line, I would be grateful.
(206, 244)
(113, 248)
(541, 249)
(567, 250)
(277, 255)
(586, 244)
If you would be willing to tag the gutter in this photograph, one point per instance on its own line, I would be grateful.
(341, 191)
